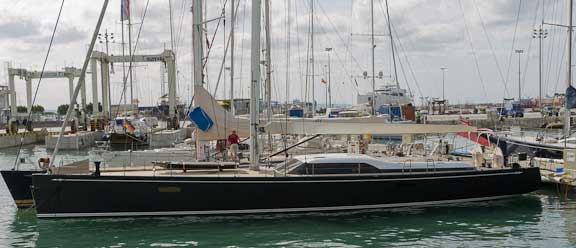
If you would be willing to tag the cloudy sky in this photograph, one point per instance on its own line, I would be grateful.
(474, 39)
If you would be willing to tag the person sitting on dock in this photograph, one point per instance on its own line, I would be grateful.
(233, 140)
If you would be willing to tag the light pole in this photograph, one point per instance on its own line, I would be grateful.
(443, 81)
(329, 83)
(540, 34)
(106, 38)
(519, 52)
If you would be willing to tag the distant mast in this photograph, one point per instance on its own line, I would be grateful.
(124, 13)
(232, 23)
(392, 46)
(373, 102)
(568, 74)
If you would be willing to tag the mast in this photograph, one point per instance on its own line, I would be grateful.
(568, 72)
(80, 79)
(268, 71)
(312, 55)
(255, 84)
(123, 54)
(130, 52)
(268, 62)
(197, 52)
(171, 26)
(373, 48)
(288, 25)
(392, 46)
(197, 33)
(232, 23)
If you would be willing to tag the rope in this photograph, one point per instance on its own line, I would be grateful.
(39, 81)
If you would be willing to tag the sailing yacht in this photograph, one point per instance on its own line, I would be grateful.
(321, 182)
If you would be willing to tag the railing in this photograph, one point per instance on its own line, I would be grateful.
(428, 164)
(409, 161)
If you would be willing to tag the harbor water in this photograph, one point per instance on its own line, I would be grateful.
(546, 218)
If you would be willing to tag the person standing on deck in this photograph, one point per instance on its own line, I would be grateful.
(233, 141)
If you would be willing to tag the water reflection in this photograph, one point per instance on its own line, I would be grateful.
(510, 222)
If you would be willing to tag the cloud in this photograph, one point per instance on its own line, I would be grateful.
(16, 28)
(428, 33)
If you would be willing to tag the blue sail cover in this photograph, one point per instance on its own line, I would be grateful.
(571, 97)
(200, 119)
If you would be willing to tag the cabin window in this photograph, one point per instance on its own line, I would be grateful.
(333, 168)
(287, 166)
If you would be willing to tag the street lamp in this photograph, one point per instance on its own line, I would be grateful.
(540, 34)
(328, 84)
(106, 38)
(519, 52)
(443, 81)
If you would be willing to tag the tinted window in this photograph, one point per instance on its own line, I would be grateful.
(343, 168)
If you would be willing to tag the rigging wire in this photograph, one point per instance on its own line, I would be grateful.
(551, 49)
(130, 64)
(398, 52)
(403, 50)
(39, 82)
(338, 58)
(527, 60)
(469, 39)
(343, 42)
(489, 40)
(513, 43)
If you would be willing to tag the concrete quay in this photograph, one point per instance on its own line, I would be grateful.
(167, 138)
(75, 141)
(11, 140)
(530, 120)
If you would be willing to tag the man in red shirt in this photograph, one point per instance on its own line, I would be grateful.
(233, 140)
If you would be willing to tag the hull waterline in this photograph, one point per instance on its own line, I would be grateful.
(90, 196)
(19, 183)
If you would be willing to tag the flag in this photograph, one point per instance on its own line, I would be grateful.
(323, 81)
(124, 10)
(128, 126)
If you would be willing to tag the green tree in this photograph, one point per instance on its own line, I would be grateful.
(89, 109)
(37, 109)
(62, 109)
(21, 109)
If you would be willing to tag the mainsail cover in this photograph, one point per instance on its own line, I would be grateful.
(224, 123)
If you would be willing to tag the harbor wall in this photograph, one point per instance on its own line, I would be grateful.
(167, 138)
(530, 120)
(75, 141)
(11, 140)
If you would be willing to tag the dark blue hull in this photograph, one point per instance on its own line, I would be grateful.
(92, 196)
(19, 184)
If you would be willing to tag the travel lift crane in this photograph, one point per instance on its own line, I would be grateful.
(69, 72)
(167, 57)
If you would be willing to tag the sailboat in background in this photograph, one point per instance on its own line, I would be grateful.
(388, 99)
(555, 156)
